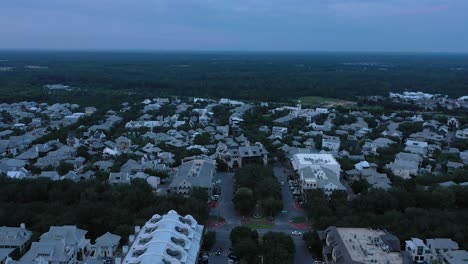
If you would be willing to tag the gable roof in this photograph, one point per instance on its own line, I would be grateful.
(71, 235)
(108, 239)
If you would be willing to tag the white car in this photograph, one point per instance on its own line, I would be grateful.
(296, 233)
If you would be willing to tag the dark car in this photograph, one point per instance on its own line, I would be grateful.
(233, 257)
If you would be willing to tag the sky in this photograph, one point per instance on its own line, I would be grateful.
(238, 25)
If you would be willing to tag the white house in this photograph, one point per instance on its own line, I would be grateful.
(61, 245)
(330, 142)
(106, 245)
(15, 237)
(419, 252)
(462, 134)
(416, 147)
(169, 238)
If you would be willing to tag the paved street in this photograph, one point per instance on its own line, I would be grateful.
(226, 210)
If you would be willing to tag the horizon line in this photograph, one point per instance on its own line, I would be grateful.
(222, 51)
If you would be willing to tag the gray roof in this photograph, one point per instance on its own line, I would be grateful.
(456, 257)
(331, 177)
(14, 236)
(447, 184)
(53, 251)
(285, 119)
(342, 254)
(408, 157)
(455, 165)
(382, 142)
(71, 235)
(119, 177)
(5, 253)
(441, 243)
(108, 240)
(51, 175)
(252, 151)
(198, 172)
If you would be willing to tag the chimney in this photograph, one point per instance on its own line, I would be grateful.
(131, 238)
(137, 229)
(22, 226)
(124, 250)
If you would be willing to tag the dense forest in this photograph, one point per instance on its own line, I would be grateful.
(91, 205)
(407, 210)
(253, 76)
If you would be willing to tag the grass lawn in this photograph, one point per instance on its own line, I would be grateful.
(259, 224)
(298, 220)
(322, 101)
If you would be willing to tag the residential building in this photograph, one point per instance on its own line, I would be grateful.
(119, 178)
(416, 147)
(462, 133)
(169, 238)
(317, 171)
(405, 165)
(419, 252)
(455, 257)
(238, 156)
(195, 171)
(330, 142)
(106, 245)
(317, 177)
(302, 160)
(441, 245)
(15, 237)
(5, 254)
(361, 245)
(60, 245)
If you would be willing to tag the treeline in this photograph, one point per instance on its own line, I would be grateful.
(407, 211)
(91, 205)
(273, 248)
(257, 76)
(257, 185)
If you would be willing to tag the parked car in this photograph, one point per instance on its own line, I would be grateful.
(296, 233)
(233, 257)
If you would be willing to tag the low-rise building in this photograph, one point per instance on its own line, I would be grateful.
(438, 246)
(106, 245)
(195, 171)
(15, 237)
(330, 142)
(302, 160)
(416, 147)
(405, 165)
(462, 134)
(170, 238)
(361, 245)
(455, 257)
(419, 252)
(61, 245)
(238, 156)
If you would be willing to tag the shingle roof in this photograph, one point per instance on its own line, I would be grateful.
(108, 239)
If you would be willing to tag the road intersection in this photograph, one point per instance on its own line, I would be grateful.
(282, 223)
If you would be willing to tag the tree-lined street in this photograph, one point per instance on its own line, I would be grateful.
(282, 223)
